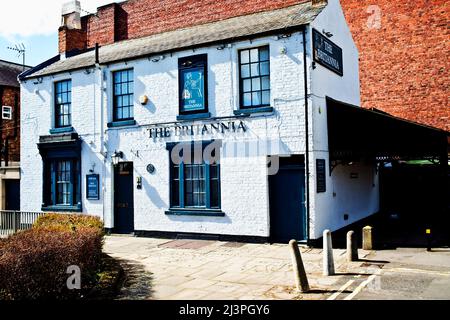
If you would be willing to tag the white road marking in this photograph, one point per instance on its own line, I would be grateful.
(362, 285)
(341, 289)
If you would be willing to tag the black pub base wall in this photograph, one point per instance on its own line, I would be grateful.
(195, 236)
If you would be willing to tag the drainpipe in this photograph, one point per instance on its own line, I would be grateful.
(305, 74)
(99, 69)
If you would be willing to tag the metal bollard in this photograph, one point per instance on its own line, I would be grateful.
(352, 247)
(368, 238)
(328, 261)
(428, 235)
(301, 280)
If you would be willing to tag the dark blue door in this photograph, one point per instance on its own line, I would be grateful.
(12, 194)
(287, 202)
(123, 198)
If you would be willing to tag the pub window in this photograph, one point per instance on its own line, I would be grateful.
(195, 184)
(254, 77)
(63, 104)
(193, 87)
(123, 97)
(62, 183)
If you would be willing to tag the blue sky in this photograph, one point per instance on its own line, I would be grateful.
(35, 24)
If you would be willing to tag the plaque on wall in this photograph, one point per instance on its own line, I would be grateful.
(321, 175)
(93, 187)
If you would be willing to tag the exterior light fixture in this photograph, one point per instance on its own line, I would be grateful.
(157, 59)
(327, 33)
(116, 157)
(221, 47)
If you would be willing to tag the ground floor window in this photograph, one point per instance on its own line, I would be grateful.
(194, 179)
(62, 183)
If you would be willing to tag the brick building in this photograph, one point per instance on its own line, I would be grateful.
(278, 84)
(9, 134)
(403, 45)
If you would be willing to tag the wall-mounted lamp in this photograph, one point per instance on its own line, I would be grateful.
(221, 47)
(143, 99)
(327, 33)
(283, 36)
(116, 157)
(38, 80)
(157, 59)
(187, 63)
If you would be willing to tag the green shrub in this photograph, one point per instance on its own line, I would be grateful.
(33, 263)
(68, 221)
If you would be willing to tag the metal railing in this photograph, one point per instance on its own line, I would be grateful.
(14, 221)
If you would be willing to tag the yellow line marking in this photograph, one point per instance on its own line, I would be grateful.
(341, 289)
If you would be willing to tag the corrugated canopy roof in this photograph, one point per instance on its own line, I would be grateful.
(214, 32)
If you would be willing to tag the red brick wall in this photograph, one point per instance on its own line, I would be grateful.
(139, 18)
(9, 127)
(404, 64)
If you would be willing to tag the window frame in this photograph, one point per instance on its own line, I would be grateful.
(207, 167)
(114, 117)
(7, 113)
(241, 79)
(197, 61)
(51, 192)
(57, 105)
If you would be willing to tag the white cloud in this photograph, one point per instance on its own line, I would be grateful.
(25, 18)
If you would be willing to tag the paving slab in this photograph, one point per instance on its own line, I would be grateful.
(197, 269)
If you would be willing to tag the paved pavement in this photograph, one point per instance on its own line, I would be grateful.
(212, 270)
(196, 269)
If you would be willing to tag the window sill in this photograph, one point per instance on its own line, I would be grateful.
(61, 130)
(62, 208)
(246, 111)
(194, 116)
(194, 212)
(124, 123)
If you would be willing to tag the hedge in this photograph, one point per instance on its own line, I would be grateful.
(68, 221)
(33, 263)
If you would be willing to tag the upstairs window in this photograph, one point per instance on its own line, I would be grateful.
(193, 84)
(254, 77)
(123, 95)
(63, 104)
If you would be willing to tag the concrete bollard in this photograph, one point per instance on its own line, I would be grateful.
(368, 238)
(328, 261)
(352, 247)
(301, 280)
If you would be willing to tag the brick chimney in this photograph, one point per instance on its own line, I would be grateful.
(71, 34)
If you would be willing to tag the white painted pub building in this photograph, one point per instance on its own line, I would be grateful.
(214, 131)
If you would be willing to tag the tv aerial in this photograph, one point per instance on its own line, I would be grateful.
(21, 50)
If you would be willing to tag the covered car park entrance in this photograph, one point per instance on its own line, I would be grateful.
(412, 161)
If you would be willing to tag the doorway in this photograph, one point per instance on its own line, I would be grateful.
(287, 201)
(123, 198)
(12, 195)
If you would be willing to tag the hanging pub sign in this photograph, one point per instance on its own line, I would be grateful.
(92, 187)
(193, 87)
(193, 91)
(327, 53)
